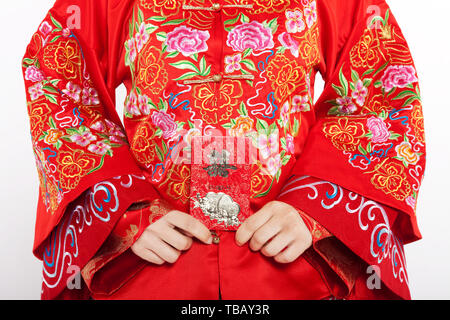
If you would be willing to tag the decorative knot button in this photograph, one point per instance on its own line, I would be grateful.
(216, 240)
(216, 6)
(217, 78)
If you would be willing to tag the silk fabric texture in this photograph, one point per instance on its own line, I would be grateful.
(351, 163)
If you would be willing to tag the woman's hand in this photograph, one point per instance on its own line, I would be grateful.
(164, 240)
(275, 227)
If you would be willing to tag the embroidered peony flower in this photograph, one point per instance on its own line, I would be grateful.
(288, 42)
(83, 139)
(73, 91)
(300, 104)
(166, 123)
(143, 105)
(398, 77)
(99, 148)
(294, 21)
(290, 144)
(233, 63)
(268, 145)
(45, 28)
(34, 74)
(243, 125)
(405, 152)
(253, 35)
(90, 97)
(360, 93)
(187, 41)
(141, 37)
(274, 164)
(346, 105)
(52, 136)
(311, 14)
(379, 130)
(36, 91)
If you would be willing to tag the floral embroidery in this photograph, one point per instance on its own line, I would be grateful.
(252, 35)
(187, 41)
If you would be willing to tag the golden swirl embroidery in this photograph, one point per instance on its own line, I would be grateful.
(344, 135)
(65, 58)
(151, 74)
(268, 6)
(367, 52)
(286, 76)
(143, 145)
(390, 177)
(217, 105)
(74, 164)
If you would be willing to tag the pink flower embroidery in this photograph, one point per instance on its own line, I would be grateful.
(250, 35)
(83, 139)
(187, 40)
(284, 114)
(300, 104)
(398, 77)
(90, 97)
(142, 37)
(45, 28)
(166, 123)
(379, 130)
(311, 14)
(131, 44)
(360, 93)
(34, 74)
(143, 105)
(346, 105)
(287, 41)
(290, 144)
(268, 145)
(233, 63)
(131, 106)
(294, 21)
(36, 91)
(99, 148)
(274, 164)
(66, 32)
(73, 91)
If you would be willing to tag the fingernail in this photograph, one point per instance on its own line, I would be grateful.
(210, 239)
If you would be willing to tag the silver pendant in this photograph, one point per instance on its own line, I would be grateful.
(219, 206)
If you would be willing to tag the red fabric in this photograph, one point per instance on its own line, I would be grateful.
(249, 73)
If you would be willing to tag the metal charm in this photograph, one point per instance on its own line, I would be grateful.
(219, 206)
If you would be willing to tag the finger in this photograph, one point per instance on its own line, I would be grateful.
(192, 225)
(161, 248)
(175, 238)
(147, 255)
(253, 223)
(292, 252)
(277, 244)
(267, 231)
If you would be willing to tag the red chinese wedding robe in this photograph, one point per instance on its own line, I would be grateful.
(351, 163)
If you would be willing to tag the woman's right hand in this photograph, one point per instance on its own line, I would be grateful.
(164, 240)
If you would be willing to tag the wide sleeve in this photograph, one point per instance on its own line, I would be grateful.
(363, 161)
(71, 69)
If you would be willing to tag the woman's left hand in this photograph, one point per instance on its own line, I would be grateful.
(275, 227)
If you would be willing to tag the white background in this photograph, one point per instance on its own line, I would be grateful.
(426, 27)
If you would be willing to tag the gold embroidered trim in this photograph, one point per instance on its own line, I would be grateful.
(243, 6)
(214, 79)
